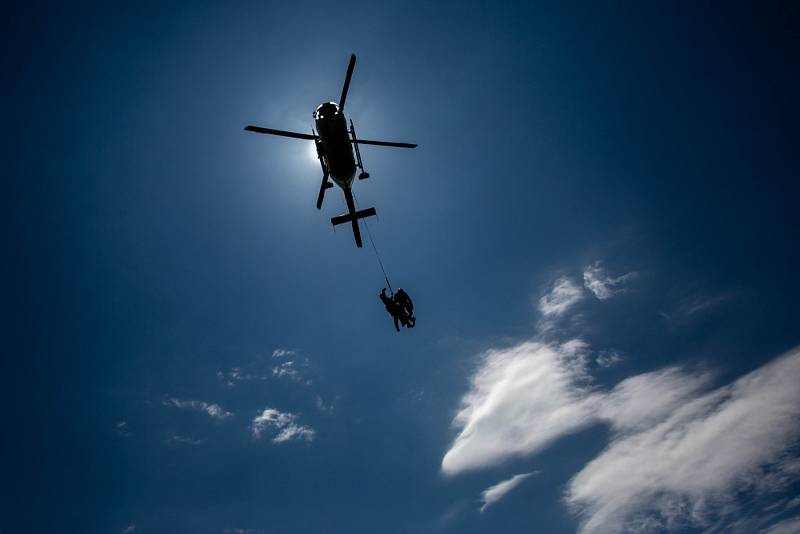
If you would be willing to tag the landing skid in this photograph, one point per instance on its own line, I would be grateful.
(325, 183)
(363, 175)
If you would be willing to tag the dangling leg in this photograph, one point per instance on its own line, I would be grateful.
(409, 313)
(396, 325)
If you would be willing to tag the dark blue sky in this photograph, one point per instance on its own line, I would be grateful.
(604, 200)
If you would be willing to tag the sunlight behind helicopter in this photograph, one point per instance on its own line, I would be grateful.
(312, 153)
(337, 148)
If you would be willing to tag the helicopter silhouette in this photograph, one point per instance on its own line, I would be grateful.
(338, 153)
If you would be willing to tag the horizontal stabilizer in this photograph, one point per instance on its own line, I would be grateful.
(385, 143)
(284, 133)
(353, 216)
(349, 217)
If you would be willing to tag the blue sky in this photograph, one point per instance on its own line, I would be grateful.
(598, 229)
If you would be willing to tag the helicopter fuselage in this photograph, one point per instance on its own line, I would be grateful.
(334, 144)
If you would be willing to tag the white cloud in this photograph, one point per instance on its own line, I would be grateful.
(603, 286)
(283, 423)
(282, 353)
(286, 369)
(494, 493)
(643, 400)
(129, 529)
(679, 451)
(215, 411)
(521, 399)
(685, 460)
(561, 297)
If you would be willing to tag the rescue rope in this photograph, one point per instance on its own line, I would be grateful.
(375, 249)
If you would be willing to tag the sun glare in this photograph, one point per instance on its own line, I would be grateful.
(312, 151)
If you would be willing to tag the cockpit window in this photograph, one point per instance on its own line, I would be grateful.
(326, 109)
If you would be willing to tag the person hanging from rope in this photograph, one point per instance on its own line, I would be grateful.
(397, 313)
(404, 301)
(399, 305)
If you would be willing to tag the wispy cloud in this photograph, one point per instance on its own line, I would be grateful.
(130, 529)
(292, 365)
(288, 370)
(235, 375)
(792, 503)
(283, 424)
(520, 400)
(787, 526)
(215, 411)
(283, 353)
(697, 305)
(646, 399)
(607, 358)
(321, 406)
(685, 459)
(494, 493)
(561, 297)
(176, 440)
(678, 452)
(123, 429)
(601, 284)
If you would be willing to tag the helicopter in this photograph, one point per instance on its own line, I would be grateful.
(338, 153)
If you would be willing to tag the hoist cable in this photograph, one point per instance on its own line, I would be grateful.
(375, 249)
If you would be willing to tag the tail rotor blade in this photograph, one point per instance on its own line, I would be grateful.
(350, 68)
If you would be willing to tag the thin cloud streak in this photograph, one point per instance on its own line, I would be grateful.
(215, 411)
(494, 493)
(601, 284)
(787, 526)
(177, 439)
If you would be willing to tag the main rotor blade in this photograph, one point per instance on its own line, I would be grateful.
(385, 143)
(350, 68)
(284, 133)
